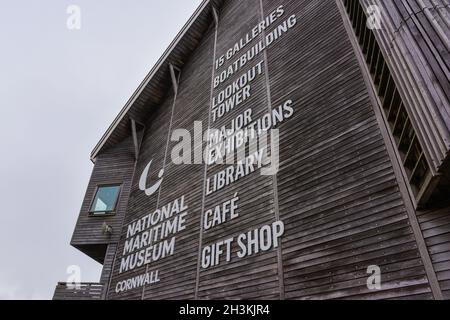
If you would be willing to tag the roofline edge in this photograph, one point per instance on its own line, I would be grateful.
(147, 79)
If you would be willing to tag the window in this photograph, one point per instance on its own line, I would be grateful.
(410, 150)
(105, 200)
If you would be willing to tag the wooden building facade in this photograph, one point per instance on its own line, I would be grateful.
(359, 92)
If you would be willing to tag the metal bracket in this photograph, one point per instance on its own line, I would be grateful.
(174, 74)
(215, 13)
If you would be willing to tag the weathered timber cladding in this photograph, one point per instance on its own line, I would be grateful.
(336, 191)
(435, 225)
(255, 277)
(191, 105)
(107, 265)
(193, 100)
(116, 165)
(153, 147)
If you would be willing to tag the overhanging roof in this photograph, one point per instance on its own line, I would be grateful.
(154, 87)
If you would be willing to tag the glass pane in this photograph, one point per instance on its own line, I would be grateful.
(105, 199)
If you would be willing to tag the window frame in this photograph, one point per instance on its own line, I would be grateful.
(113, 212)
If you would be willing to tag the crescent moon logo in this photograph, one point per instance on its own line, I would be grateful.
(143, 181)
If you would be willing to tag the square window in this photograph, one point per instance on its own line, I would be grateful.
(105, 200)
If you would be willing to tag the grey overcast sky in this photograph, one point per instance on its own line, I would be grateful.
(60, 89)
